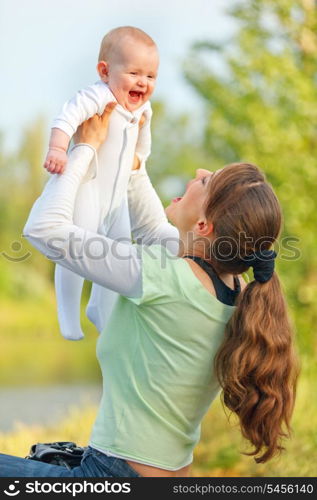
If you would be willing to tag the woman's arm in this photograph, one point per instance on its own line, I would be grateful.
(149, 223)
(51, 230)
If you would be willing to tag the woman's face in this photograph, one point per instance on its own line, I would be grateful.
(184, 212)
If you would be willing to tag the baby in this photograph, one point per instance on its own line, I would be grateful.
(127, 66)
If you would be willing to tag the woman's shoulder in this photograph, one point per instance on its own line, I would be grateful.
(157, 259)
(160, 278)
(161, 261)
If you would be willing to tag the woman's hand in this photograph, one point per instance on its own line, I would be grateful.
(94, 131)
(136, 162)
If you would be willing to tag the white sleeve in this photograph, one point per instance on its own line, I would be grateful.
(50, 228)
(85, 103)
(149, 224)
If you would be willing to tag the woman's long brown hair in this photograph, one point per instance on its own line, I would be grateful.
(256, 365)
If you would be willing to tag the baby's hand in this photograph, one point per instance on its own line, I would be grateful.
(55, 161)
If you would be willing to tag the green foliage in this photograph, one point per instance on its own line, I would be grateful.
(176, 151)
(261, 108)
(23, 271)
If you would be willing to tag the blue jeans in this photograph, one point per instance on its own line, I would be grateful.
(93, 464)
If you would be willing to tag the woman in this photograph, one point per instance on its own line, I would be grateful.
(184, 325)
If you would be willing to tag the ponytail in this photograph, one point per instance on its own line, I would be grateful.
(256, 364)
(257, 367)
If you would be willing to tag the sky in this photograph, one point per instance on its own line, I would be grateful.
(48, 50)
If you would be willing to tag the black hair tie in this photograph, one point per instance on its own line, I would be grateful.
(263, 264)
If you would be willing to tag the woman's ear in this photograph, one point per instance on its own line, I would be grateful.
(103, 71)
(204, 228)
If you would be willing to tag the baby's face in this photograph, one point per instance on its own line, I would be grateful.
(131, 74)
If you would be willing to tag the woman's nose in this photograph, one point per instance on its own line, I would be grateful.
(201, 172)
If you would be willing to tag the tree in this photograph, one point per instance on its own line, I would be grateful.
(262, 108)
(176, 151)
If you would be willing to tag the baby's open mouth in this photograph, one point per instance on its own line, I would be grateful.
(135, 95)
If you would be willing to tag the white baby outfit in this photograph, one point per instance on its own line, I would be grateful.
(101, 203)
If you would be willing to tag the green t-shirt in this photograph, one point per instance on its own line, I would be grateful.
(156, 357)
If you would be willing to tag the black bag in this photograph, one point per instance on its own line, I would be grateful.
(63, 453)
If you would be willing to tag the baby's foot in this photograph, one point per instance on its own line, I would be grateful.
(55, 161)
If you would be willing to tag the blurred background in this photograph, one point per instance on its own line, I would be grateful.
(237, 81)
